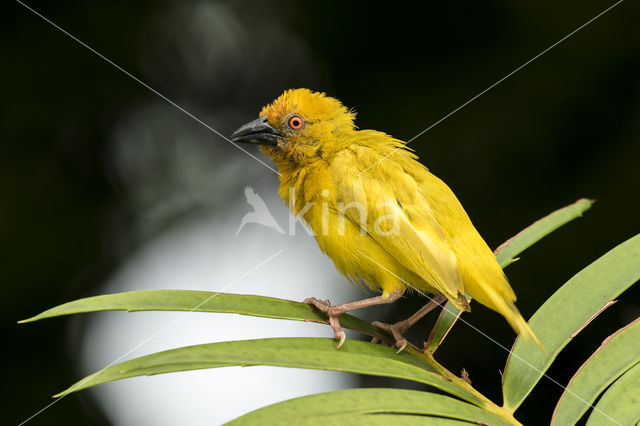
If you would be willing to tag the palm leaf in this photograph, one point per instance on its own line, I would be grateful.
(617, 354)
(362, 403)
(376, 420)
(507, 253)
(202, 301)
(565, 313)
(620, 403)
(309, 353)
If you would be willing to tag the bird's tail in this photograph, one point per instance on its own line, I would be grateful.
(519, 325)
(501, 299)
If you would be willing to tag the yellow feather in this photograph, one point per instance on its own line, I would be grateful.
(346, 182)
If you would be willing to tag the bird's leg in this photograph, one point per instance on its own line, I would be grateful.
(398, 329)
(334, 312)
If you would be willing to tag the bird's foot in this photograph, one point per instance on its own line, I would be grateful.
(333, 314)
(396, 330)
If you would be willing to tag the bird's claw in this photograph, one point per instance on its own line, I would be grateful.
(311, 301)
(341, 336)
(321, 305)
(396, 331)
(401, 344)
(333, 314)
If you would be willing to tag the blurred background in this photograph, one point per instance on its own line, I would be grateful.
(106, 187)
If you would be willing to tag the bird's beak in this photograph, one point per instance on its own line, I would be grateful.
(257, 131)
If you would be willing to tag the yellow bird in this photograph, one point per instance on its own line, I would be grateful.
(378, 213)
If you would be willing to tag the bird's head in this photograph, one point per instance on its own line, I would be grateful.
(299, 126)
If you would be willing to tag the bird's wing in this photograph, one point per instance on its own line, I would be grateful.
(401, 220)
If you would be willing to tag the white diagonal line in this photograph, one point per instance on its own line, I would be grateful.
(148, 87)
(444, 307)
(156, 334)
(496, 83)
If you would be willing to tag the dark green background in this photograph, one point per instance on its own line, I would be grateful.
(567, 126)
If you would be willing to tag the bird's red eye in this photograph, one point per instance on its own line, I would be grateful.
(296, 122)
